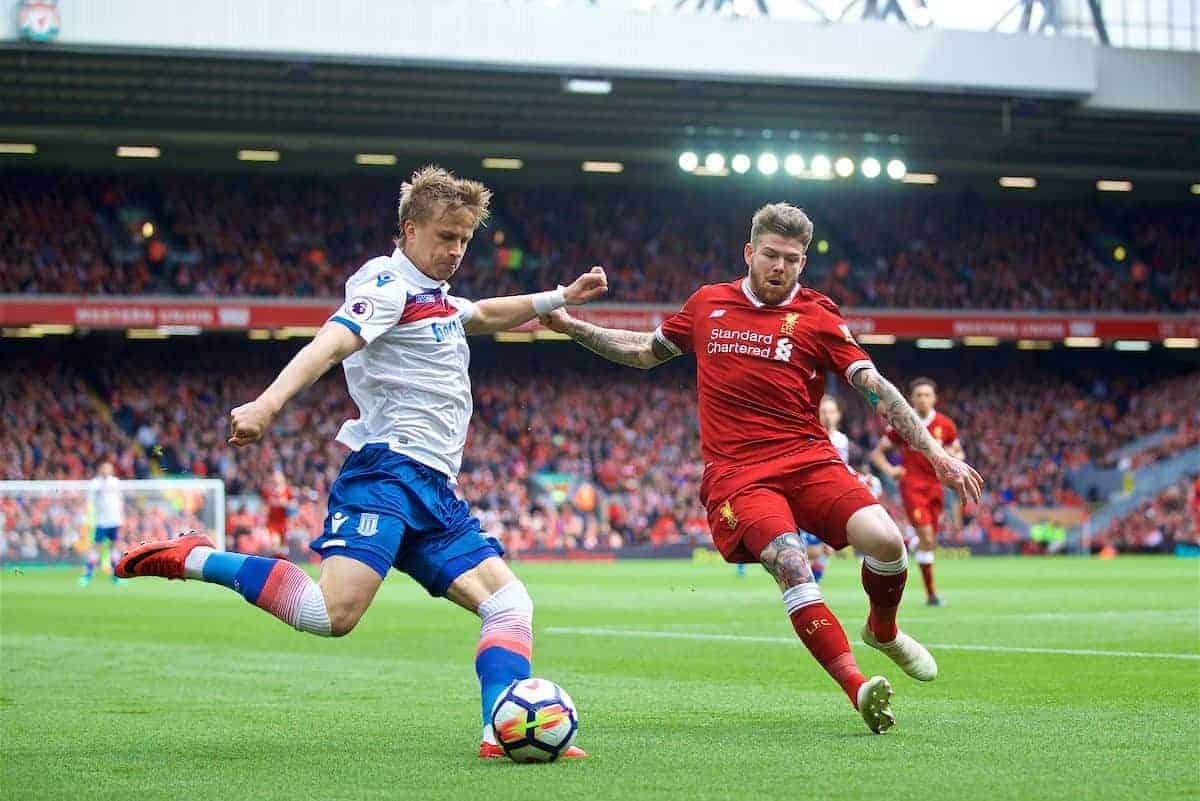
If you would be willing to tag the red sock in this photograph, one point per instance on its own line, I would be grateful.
(824, 637)
(885, 586)
(927, 575)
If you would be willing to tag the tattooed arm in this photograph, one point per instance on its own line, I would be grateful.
(639, 349)
(886, 400)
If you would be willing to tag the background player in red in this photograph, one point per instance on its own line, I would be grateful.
(763, 345)
(920, 489)
(279, 499)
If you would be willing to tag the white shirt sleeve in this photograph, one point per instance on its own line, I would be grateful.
(374, 303)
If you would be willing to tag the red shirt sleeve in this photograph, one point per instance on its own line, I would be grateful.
(894, 436)
(676, 331)
(837, 345)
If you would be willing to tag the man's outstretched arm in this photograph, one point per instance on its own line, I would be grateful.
(333, 343)
(640, 349)
(501, 314)
(887, 401)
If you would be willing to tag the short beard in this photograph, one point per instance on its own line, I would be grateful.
(765, 293)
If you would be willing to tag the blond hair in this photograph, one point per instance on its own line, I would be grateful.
(432, 187)
(783, 219)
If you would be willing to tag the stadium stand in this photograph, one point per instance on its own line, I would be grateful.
(1160, 524)
(293, 237)
(563, 452)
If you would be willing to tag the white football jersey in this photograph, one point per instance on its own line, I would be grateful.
(842, 443)
(106, 499)
(872, 483)
(410, 381)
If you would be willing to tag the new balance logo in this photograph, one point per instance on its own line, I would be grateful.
(717, 313)
(338, 520)
(368, 524)
(783, 350)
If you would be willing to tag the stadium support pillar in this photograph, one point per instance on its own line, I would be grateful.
(719, 5)
(1050, 16)
(1098, 21)
(871, 10)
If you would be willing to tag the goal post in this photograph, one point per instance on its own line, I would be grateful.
(55, 521)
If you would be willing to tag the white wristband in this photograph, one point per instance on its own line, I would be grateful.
(546, 302)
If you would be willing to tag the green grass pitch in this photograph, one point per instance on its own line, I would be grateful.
(1060, 679)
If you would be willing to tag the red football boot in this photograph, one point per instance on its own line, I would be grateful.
(492, 751)
(164, 558)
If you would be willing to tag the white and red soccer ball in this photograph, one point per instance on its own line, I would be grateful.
(534, 720)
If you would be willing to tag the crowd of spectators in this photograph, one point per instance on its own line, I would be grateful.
(248, 235)
(559, 455)
(963, 253)
(1159, 524)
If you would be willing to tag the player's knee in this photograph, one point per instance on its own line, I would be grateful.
(890, 541)
(784, 559)
(342, 621)
(344, 613)
(872, 531)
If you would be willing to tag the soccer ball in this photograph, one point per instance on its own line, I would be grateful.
(534, 720)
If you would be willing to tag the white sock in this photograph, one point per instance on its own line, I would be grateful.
(925, 557)
(881, 568)
(312, 615)
(489, 736)
(801, 595)
(193, 566)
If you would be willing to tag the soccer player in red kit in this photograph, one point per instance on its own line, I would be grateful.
(920, 489)
(763, 345)
(278, 497)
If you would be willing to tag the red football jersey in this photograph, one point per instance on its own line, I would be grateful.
(760, 370)
(277, 501)
(917, 469)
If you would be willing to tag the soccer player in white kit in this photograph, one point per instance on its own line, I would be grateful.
(830, 414)
(108, 509)
(401, 339)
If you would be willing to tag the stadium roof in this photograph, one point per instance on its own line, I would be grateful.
(78, 98)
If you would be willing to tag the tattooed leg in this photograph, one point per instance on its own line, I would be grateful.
(785, 559)
(816, 626)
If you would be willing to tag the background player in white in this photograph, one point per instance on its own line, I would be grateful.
(401, 338)
(108, 510)
(830, 414)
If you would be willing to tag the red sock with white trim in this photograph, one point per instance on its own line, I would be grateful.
(823, 635)
(925, 560)
(884, 583)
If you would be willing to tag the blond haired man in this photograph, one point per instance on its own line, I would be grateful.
(401, 339)
(763, 345)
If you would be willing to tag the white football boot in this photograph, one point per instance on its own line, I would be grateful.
(875, 704)
(912, 657)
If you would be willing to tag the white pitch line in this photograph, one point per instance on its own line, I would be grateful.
(689, 635)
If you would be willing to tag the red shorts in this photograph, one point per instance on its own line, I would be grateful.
(277, 522)
(923, 503)
(750, 506)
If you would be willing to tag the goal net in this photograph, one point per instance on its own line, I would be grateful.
(55, 521)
